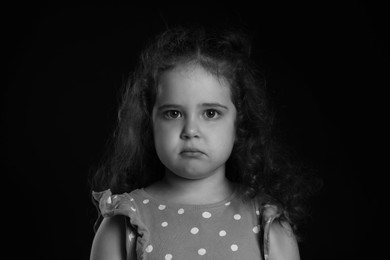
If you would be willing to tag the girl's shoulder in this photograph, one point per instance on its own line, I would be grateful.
(114, 228)
(277, 237)
(281, 242)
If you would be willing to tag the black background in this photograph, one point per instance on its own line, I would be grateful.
(325, 66)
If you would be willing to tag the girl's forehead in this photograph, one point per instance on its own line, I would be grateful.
(192, 80)
(187, 68)
(192, 71)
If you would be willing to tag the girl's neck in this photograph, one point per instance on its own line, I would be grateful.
(209, 190)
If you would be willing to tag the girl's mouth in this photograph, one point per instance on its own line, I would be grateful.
(192, 153)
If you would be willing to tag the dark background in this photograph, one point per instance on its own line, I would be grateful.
(325, 66)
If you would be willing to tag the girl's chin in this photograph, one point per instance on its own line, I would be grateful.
(192, 173)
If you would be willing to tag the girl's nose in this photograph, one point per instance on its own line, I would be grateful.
(190, 129)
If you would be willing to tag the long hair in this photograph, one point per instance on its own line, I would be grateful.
(257, 162)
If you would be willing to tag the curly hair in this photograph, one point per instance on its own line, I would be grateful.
(257, 162)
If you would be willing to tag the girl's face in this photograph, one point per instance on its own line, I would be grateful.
(193, 122)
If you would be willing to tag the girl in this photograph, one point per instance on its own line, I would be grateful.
(193, 172)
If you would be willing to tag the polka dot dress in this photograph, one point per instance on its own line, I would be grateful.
(226, 230)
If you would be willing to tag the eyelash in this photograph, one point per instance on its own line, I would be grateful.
(168, 114)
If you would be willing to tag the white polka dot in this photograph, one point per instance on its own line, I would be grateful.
(257, 212)
(149, 249)
(133, 209)
(237, 217)
(146, 201)
(256, 229)
(206, 214)
(131, 199)
(180, 211)
(234, 247)
(131, 236)
(164, 224)
(161, 207)
(109, 200)
(194, 230)
(202, 251)
(227, 203)
(222, 233)
(168, 257)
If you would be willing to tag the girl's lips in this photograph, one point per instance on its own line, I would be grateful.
(191, 150)
(192, 153)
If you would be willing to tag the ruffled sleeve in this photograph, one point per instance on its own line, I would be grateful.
(111, 205)
(268, 215)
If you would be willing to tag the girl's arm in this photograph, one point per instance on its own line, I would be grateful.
(282, 242)
(112, 240)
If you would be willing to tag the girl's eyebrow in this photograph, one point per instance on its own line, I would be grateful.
(214, 105)
(174, 106)
(168, 106)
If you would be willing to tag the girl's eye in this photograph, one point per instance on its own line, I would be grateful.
(172, 114)
(212, 114)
